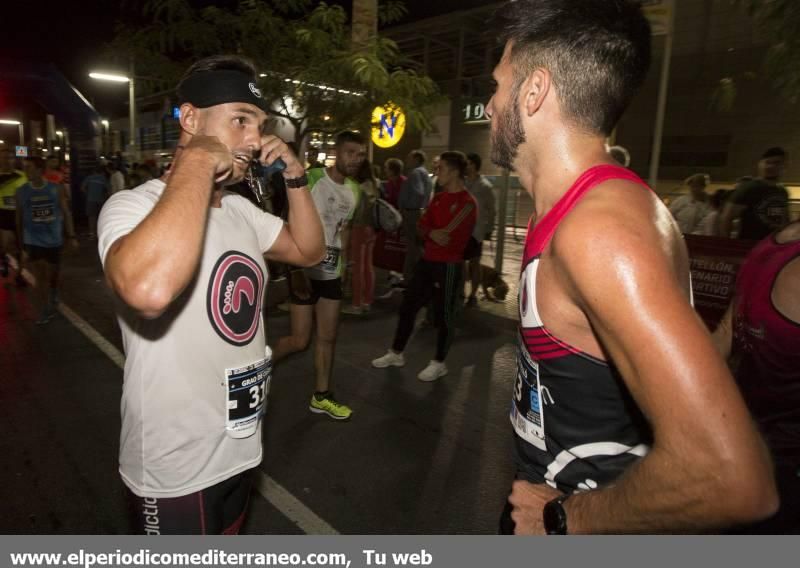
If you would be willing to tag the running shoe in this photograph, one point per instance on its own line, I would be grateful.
(433, 371)
(324, 403)
(471, 302)
(391, 359)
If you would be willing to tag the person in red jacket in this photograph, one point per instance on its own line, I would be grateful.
(445, 227)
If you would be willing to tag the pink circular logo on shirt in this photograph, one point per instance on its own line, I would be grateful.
(235, 292)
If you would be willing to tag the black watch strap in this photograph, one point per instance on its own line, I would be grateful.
(554, 516)
(301, 181)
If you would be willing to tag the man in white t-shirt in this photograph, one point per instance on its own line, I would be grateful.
(116, 178)
(690, 209)
(186, 259)
(335, 195)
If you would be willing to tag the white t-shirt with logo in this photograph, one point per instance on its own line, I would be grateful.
(196, 378)
(336, 205)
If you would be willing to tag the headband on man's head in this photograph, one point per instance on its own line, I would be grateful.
(208, 88)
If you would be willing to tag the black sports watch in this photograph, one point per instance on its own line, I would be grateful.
(301, 181)
(554, 515)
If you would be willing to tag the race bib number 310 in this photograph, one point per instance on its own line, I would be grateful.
(247, 389)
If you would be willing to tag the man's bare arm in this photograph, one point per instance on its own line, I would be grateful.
(730, 212)
(723, 335)
(708, 467)
(69, 224)
(146, 274)
(301, 242)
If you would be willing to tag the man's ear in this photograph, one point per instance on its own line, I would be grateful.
(190, 118)
(534, 90)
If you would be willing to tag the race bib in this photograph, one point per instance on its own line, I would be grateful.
(527, 412)
(43, 212)
(331, 261)
(247, 390)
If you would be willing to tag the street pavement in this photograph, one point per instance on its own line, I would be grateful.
(415, 458)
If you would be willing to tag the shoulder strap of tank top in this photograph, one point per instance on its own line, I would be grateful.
(594, 176)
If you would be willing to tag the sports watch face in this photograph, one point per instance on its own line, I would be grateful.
(554, 516)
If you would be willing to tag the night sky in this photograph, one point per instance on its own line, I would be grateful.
(70, 35)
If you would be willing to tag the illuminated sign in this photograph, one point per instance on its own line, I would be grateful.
(388, 125)
(474, 113)
(21, 151)
(176, 113)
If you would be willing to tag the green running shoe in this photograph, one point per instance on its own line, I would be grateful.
(324, 403)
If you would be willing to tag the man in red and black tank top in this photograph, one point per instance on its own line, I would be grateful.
(761, 331)
(626, 419)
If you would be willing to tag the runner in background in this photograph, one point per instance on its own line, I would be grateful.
(445, 228)
(43, 216)
(318, 297)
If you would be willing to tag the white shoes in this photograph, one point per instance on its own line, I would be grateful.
(433, 371)
(391, 359)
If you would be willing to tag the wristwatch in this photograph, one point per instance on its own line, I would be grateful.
(301, 181)
(554, 515)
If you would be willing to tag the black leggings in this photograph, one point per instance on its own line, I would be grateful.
(438, 283)
(219, 509)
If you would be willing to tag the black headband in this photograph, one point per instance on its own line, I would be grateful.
(209, 88)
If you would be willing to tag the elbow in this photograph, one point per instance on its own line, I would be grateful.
(319, 256)
(146, 297)
(313, 256)
(749, 493)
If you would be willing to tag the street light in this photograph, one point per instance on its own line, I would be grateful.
(132, 103)
(15, 123)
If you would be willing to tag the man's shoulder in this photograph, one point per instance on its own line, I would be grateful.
(755, 186)
(148, 192)
(598, 220)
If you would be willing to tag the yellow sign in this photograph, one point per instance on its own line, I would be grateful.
(388, 125)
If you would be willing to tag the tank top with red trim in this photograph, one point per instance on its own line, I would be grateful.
(768, 344)
(576, 425)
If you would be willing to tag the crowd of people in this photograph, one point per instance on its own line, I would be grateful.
(628, 415)
(754, 208)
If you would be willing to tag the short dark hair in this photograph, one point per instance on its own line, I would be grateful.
(475, 159)
(37, 163)
(419, 156)
(456, 160)
(350, 136)
(221, 63)
(597, 51)
(774, 152)
(394, 166)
